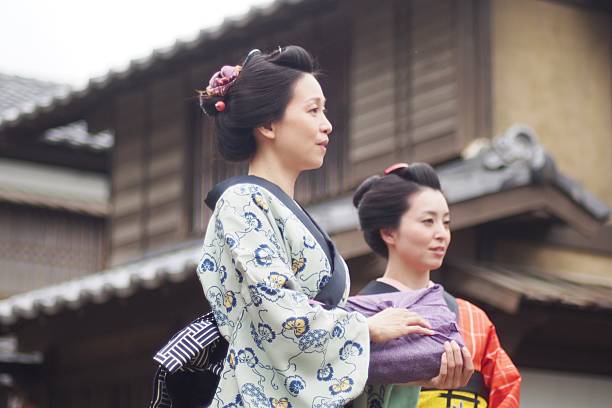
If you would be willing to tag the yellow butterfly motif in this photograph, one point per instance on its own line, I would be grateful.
(299, 325)
(231, 359)
(260, 201)
(277, 280)
(280, 403)
(344, 384)
(298, 264)
(229, 301)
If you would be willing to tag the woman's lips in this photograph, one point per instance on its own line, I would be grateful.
(438, 251)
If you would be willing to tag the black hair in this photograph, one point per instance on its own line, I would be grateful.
(258, 96)
(382, 200)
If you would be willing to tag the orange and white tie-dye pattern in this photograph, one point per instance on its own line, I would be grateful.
(501, 376)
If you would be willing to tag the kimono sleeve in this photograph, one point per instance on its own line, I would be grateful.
(500, 374)
(304, 353)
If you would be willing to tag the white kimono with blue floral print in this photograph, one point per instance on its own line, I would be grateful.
(260, 268)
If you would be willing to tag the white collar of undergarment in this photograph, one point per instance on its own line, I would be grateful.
(399, 285)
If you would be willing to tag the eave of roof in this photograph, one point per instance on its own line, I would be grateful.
(117, 282)
(54, 187)
(506, 287)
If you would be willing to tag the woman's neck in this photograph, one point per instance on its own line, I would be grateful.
(272, 170)
(397, 270)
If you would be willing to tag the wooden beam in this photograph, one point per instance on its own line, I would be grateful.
(462, 281)
(556, 234)
(496, 206)
(58, 155)
(563, 207)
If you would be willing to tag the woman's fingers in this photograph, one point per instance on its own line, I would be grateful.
(468, 367)
(454, 364)
(453, 374)
(443, 366)
(440, 380)
(417, 320)
(418, 330)
(392, 323)
(415, 324)
(451, 365)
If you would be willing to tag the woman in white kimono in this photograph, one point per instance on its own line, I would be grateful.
(267, 269)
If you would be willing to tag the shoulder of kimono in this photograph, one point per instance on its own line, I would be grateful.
(236, 190)
(472, 312)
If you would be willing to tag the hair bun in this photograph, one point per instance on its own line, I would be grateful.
(420, 173)
(363, 188)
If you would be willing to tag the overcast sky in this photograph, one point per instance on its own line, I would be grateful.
(71, 41)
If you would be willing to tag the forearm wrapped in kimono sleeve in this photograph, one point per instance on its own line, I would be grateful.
(296, 351)
(414, 357)
(501, 375)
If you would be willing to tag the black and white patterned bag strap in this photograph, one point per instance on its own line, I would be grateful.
(191, 346)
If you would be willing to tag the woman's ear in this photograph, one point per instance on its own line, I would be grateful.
(388, 236)
(266, 131)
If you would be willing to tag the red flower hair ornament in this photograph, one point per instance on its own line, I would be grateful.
(220, 82)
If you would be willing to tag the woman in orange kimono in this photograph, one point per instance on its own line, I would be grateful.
(405, 218)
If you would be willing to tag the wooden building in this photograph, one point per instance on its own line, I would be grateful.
(405, 81)
(54, 197)
(54, 201)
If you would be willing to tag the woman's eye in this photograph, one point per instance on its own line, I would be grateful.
(314, 110)
(428, 221)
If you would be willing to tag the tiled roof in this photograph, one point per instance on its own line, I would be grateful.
(121, 281)
(159, 55)
(19, 94)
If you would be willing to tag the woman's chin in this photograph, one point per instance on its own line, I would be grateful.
(435, 265)
(314, 165)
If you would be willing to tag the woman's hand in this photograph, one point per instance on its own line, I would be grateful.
(455, 370)
(393, 322)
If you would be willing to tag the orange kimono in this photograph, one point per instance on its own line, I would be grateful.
(493, 369)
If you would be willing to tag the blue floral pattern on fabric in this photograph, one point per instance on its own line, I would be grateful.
(314, 340)
(208, 265)
(350, 349)
(294, 384)
(252, 221)
(326, 373)
(259, 269)
(264, 255)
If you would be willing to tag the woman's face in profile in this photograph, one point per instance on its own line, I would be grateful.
(423, 236)
(302, 134)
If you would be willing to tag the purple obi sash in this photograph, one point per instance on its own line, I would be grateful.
(413, 357)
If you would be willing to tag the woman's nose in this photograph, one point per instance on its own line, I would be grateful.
(326, 126)
(442, 233)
